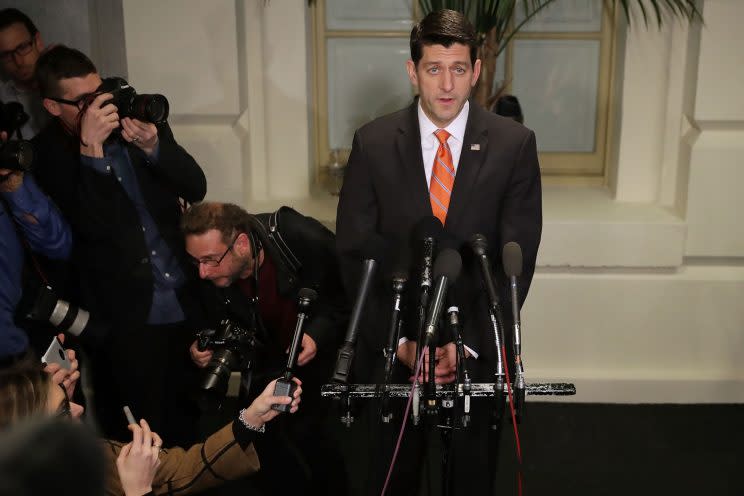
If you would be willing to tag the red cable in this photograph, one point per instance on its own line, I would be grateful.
(514, 422)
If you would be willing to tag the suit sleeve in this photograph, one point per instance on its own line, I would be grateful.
(220, 458)
(177, 168)
(356, 217)
(521, 218)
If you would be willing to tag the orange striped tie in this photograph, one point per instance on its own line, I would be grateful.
(442, 177)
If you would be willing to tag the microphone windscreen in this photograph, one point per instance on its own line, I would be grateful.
(376, 248)
(308, 294)
(448, 264)
(427, 227)
(512, 259)
(479, 244)
(402, 263)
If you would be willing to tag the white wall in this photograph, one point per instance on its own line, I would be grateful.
(639, 290)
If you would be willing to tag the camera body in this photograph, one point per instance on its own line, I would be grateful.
(232, 347)
(12, 117)
(16, 155)
(147, 108)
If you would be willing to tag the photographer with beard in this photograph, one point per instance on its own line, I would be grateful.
(254, 267)
(120, 181)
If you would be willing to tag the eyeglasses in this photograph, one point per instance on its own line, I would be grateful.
(214, 262)
(79, 103)
(64, 410)
(22, 49)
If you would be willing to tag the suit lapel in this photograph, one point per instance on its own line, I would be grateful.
(472, 157)
(408, 142)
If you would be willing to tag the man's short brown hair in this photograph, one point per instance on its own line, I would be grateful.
(228, 218)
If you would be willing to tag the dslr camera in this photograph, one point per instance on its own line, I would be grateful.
(232, 347)
(14, 154)
(146, 108)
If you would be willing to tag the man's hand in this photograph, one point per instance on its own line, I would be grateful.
(67, 378)
(309, 350)
(200, 358)
(446, 365)
(10, 180)
(144, 135)
(260, 411)
(139, 460)
(96, 124)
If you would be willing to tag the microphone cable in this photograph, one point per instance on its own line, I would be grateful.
(403, 425)
(518, 445)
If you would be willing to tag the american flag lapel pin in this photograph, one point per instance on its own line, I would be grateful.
(475, 147)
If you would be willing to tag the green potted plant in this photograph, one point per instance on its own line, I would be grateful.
(494, 23)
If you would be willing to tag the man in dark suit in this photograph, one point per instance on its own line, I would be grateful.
(475, 171)
(118, 180)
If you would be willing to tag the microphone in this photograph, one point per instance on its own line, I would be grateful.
(480, 247)
(373, 252)
(512, 261)
(427, 232)
(446, 269)
(285, 386)
(399, 281)
(463, 376)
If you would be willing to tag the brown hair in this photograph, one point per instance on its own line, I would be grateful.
(228, 218)
(443, 27)
(24, 391)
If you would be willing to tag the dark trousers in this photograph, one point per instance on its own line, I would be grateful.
(150, 370)
(473, 452)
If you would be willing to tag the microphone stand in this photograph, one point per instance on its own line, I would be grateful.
(285, 386)
(519, 382)
(426, 283)
(396, 322)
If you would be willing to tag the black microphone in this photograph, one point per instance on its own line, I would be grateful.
(512, 261)
(399, 279)
(446, 269)
(374, 250)
(480, 247)
(426, 232)
(285, 386)
(463, 376)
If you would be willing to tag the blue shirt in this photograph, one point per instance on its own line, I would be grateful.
(49, 235)
(166, 273)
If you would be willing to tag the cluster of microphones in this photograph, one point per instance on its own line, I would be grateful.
(439, 265)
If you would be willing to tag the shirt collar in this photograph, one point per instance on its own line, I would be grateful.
(456, 128)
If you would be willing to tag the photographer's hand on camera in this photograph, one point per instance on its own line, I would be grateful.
(200, 358)
(143, 135)
(96, 124)
(260, 411)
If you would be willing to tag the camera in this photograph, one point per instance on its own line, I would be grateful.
(16, 155)
(146, 108)
(12, 117)
(232, 347)
(63, 315)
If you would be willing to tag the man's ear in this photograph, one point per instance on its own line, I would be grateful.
(38, 41)
(411, 68)
(52, 107)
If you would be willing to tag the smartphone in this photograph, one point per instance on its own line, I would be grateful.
(130, 417)
(56, 354)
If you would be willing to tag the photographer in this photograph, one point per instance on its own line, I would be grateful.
(119, 179)
(20, 47)
(24, 211)
(254, 267)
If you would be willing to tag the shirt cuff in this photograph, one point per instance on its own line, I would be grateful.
(243, 435)
(471, 351)
(99, 164)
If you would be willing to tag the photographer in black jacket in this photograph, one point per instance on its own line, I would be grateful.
(254, 267)
(119, 181)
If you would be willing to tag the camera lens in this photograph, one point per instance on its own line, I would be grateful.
(150, 108)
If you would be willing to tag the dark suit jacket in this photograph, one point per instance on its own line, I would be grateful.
(109, 245)
(496, 193)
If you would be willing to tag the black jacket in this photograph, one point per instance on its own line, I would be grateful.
(304, 253)
(109, 251)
